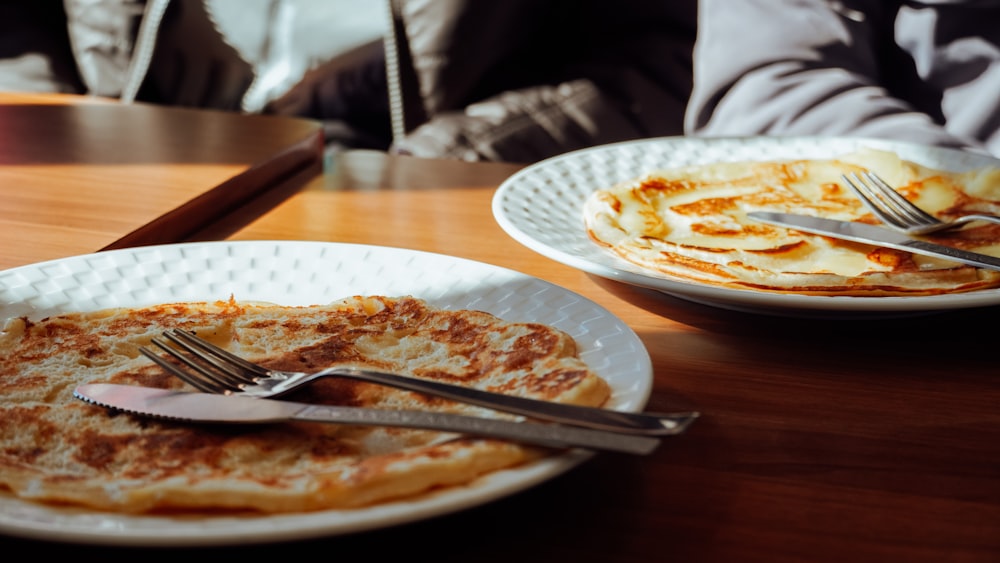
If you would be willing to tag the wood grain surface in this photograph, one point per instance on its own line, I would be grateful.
(847, 440)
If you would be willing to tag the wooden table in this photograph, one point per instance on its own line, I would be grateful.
(820, 440)
(840, 441)
(81, 174)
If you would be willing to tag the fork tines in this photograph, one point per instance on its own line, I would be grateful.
(885, 202)
(207, 372)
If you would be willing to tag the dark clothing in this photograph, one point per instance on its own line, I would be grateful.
(522, 80)
(511, 80)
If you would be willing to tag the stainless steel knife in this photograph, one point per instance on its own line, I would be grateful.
(228, 409)
(871, 234)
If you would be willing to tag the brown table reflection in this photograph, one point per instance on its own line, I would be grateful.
(81, 174)
(821, 440)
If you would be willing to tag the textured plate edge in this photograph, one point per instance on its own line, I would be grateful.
(517, 479)
(315, 525)
(615, 269)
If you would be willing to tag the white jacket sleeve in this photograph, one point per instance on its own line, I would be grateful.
(819, 67)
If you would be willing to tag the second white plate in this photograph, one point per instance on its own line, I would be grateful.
(541, 207)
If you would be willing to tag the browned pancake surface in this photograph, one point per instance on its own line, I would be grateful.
(54, 448)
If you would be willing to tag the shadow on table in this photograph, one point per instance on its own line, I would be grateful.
(940, 326)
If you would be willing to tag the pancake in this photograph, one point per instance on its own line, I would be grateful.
(57, 449)
(690, 224)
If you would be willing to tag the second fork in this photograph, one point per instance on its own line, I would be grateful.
(900, 213)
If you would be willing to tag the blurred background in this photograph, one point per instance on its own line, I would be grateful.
(518, 80)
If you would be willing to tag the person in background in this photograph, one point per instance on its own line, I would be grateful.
(231, 55)
(924, 71)
(517, 80)
(524, 80)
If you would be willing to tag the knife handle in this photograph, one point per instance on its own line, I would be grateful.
(551, 435)
(605, 419)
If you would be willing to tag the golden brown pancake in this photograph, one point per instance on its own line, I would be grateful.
(57, 449)
(691, 224)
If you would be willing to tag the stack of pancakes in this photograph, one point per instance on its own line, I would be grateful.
(691, 224)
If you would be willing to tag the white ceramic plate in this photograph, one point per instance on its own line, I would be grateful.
(305, 273)
(541, 207)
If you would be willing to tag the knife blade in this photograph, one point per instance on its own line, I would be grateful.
(229, 409)
(871, 234)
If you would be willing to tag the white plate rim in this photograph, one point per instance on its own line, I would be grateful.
(547, 197)
(45, 288)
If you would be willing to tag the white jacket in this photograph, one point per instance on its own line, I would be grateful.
(922, 71)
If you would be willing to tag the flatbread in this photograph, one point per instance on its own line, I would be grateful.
(690, 224)
(57, 449)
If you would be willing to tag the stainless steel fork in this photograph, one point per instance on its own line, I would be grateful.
(214, 370)
(900, 213)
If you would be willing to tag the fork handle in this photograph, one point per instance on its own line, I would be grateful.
(651, 424)
(551, 435)
(979, 217)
